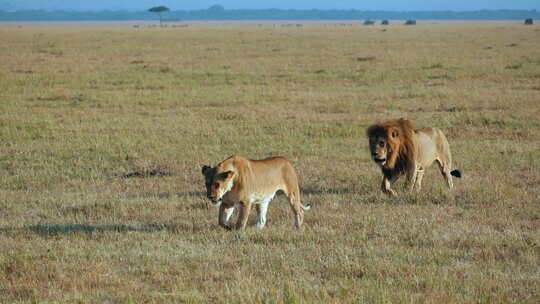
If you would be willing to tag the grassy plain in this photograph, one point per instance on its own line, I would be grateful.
(87, 116)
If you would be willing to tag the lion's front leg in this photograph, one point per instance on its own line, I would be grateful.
(386, 186)
(418, 182)
(225, 213)
(245, 208)
(412, 174)
(411, 178)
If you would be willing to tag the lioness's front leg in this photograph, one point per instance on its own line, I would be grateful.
(262, 208)
(245, 208)
(225, 213)
(386, 186)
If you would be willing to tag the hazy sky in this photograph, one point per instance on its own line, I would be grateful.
(395, 5)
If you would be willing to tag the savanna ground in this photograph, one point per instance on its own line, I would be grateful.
(103, 133)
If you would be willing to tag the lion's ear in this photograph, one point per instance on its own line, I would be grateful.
(395, 133)
(205, 169)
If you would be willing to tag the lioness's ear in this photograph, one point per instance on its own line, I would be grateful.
(395, 133)
(205, 169)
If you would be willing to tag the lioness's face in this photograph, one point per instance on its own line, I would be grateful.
(379, 148)
(217, 183)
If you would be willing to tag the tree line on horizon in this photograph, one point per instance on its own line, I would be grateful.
(218, 12)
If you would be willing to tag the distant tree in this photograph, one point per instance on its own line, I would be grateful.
(217, 8)
(528, 21)
(385, 22)
(410, 22)
(159, 10)
(369, 22)
(215, 11)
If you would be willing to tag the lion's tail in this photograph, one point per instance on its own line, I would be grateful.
(456, 173)
(306, 207)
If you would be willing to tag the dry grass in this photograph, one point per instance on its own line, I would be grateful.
(103, 133)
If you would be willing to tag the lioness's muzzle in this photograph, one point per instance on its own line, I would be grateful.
(213, 199)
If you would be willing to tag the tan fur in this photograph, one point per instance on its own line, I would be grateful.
(399, 149)
(252, 182)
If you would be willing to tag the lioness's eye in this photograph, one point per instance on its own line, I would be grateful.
(381, 143)
(216, 185)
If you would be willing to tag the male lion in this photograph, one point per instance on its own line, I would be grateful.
(241, 181)
(400, 149)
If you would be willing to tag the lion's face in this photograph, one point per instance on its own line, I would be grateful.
(379, 149)
(392, 144)
(217, 183)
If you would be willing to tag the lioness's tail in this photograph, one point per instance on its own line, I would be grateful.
(456, 173)
(306, 207)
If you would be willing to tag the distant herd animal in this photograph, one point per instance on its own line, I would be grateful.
(395, 146)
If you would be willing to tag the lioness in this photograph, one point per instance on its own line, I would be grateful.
(241, 181)
(400, 149)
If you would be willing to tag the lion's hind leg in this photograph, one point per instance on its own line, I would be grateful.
(296, 207)
(446, 173)
(444, 160)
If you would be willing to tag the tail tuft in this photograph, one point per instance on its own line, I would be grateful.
(307, 207)
(456, 173)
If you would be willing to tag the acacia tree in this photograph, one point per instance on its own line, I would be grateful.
(159, 10)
